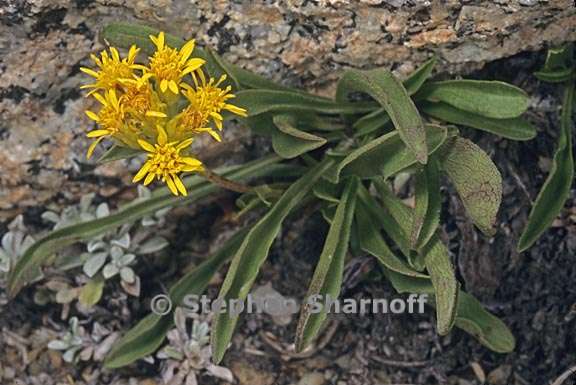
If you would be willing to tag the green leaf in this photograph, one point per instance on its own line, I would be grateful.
(557, 76)
(117, 152)
(385, 155)
(395, 219)
(446, 287)
(559, 65)
(556, 188)
(290, 142)
(124, 35)
(513, 128)
(435, 258)
(261, 101)
(147, 336)
(28, 266)
(391, 94)
(91, 293)
(417, 78)
(492, 99)
(379, 118)
(428, 202)
(477, 181)
(252, 254)
(372, 242)
(470, 315)
(327, 278)
(327, 191)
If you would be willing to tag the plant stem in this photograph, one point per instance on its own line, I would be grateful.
(225, 183)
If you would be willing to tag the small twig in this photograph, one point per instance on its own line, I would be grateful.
(400, 364)
(225, 183)
(564, 376)
(288, 353)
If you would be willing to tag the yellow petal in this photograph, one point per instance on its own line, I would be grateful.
(93, 147)
(162, 136)
(90, 72)
(101, 99)
(115, 54)
(132, 53)
(171, 185)
(192, 65)
(146, 146)
(184, 144)
(92, 115)
(191, 161)
(156, 114)
(112, 97)
(179, 185)
(215, 135)
(143, 171)
(186, 51)
(97, 133)
(236, 110)
(173, 86)
(164, 85)
(149, 179)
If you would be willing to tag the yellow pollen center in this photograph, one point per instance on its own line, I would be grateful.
(165, 64)
(165, 160)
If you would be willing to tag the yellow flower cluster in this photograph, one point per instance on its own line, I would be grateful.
(158, 108)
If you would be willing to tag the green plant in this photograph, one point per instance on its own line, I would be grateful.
(559, 68)
(338, 156)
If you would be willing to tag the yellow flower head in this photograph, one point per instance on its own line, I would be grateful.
(139, 98)
(147, 112)
(208, 100)
(110, 118)
(111, 69)
(169, 65)
(166, 163)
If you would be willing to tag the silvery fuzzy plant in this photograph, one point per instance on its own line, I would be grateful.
(337, 155)
(108, 255)
(187, 353)
(77, 344)
(13, 244)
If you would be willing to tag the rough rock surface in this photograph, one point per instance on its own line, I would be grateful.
(301, 42)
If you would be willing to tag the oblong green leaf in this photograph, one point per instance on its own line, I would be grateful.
(446, 288)
(434, 256)
(259, 101)
(149, 333)
(477, 181)
(385, 155)
(557, 76)
(117, 152)
(387, 90)
(28, 266)
(492, 99)
(428, 201)
(379, 118)
(290, 142)
(372, 242)
(252, 254)
(327, 278)
(513, 128)
(470, 315)
(556, 188)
